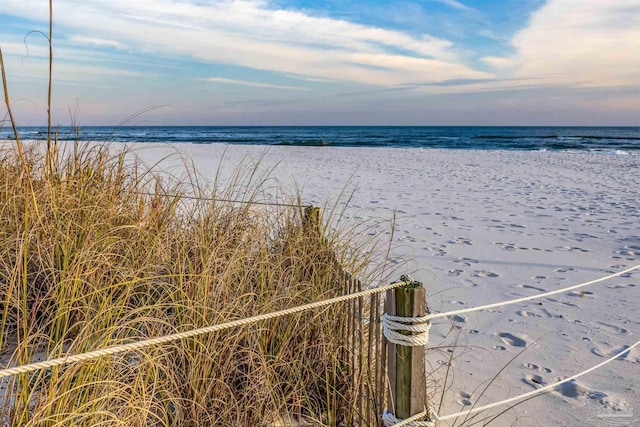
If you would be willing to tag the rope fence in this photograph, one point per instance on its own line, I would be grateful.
(138, 345)
(403, 331)
(392, 326)
(224, 200)
(529, 298)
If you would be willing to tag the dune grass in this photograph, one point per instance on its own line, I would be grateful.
(88, 260)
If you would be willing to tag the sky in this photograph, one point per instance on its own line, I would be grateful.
(325, 62)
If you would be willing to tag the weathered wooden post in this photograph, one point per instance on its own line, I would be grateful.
(406, 363)
(312, 220)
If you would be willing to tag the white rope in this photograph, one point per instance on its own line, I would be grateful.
(192, 333)
(246, 321)
(534, 392)
(390, 420)
(529, 298)
(418, 326)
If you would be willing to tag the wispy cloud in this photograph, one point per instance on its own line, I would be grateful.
(455, 4)
(499, 62)
(92, 41)
(252, 84)
(464, 82)
(257, 35)
(32, 61)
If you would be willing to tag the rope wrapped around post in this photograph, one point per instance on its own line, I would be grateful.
(406, 326)
(419, 326)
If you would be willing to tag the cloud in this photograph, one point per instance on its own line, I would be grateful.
(580, 42)
(251, 84)
(455, 4)
(254, 34)
(26, 61)
(464, 82)
(97, 42)
(499, 62)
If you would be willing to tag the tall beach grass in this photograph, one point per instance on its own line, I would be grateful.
(90, 259)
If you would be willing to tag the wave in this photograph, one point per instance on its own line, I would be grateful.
(515, 137)
(306, 143)
(565, 137)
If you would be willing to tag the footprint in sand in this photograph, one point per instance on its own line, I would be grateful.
(469, 283)
(463, 398)
(454, 272)
(467, 262)
(460, 241)
(572, 389)
(436, 250)
(612, 405)
(612, 328)
(535, 367)
(544, 313)
(512, 340)
(526, 313)
(485, 273)
(458, 318)
(572, 249)
(581, 294)
(618, 266)
(630, 285)
(532, 287)
(604, 349)
(629, 250)
(534, 380)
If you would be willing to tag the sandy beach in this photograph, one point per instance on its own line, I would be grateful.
(485, 226)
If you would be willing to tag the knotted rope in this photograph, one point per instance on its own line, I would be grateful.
(418, 326)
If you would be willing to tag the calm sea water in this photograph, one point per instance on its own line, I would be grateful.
(602, 139)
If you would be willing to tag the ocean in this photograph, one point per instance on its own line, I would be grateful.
(614, 140)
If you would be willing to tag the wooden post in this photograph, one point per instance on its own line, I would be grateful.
(311, 220)
(407, 374)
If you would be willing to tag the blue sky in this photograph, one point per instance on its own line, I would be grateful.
(306, 62)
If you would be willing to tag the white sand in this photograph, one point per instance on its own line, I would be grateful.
(485, 226)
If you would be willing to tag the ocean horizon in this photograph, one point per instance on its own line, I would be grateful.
(616, 140)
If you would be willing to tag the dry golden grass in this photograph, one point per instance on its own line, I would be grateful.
(89, 261)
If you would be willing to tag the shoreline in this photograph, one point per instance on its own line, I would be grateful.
(177, 144)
